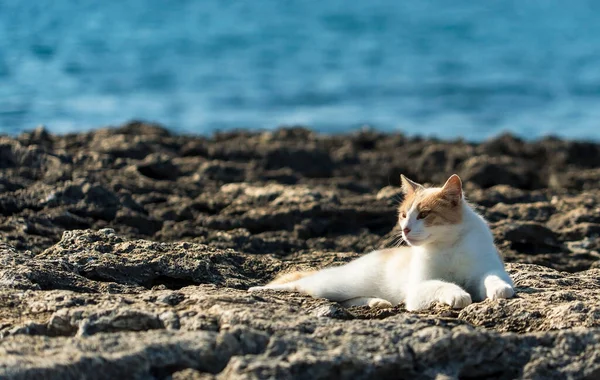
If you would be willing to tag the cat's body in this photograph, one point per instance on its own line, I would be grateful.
(451, 259)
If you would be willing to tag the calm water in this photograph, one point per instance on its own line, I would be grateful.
(461, 68)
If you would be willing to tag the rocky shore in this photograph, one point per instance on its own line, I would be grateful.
(126, 252)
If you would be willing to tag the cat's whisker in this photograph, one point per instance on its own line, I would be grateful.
(399, 242)
(391, 237)
(388, 242)
(394, 241)
(397, 199)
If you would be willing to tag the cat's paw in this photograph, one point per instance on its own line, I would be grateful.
(456, 298)
(413, 304)
(379, 303)
(498, 291)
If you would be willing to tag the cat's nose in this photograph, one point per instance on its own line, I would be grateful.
(406, 230)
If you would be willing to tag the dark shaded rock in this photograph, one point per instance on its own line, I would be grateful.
(535, 212)
(434, 158)
(157, 166)
(440, 161)
(223, 172)
(580, 179)
(311, 163)
(141, 128)
(505, 194)
(33, 162)
(39, 136)
(24, 272)
(108, 258)
(121, 319)
(194, 148)
(488, 171)
(582, 231)
(528, 237)
(574, 217)
(562, 153)
(504, 145)
(86, 199)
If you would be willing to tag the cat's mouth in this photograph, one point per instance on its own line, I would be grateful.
(416, 240)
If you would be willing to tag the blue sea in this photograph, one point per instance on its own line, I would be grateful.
(463, 68)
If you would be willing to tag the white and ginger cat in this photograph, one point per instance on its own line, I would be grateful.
(451, 258)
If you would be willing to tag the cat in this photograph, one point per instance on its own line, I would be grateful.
(450, 258)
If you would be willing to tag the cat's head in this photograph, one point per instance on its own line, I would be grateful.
(430, 214)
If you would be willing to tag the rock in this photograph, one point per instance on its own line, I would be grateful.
(158, 166)
(109, 258)
(442, 160)
(534, 211)
(139, 355)
(138, 221)
(86, 199)
(137, 128)
(312, 163)
(574, 217)
(39, 136)
(562, 153)
(223, 172)
(194, 148)
(505, 145)
(216, 329)
(487, 171)
(127, 252)
(581, 179)
(528, 237)
(505, 194)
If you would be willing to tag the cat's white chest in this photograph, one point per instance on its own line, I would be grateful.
(448, 266)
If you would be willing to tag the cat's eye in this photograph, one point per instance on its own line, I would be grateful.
(403, 214)
(423, 215)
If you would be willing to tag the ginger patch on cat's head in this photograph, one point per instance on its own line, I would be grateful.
(435, 206)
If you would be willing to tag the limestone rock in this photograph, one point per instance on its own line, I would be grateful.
(126, 253)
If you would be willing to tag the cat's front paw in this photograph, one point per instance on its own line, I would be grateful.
(456, 298)
(498, 291)
(379, 303)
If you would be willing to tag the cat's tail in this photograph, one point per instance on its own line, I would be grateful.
(291, 277)
(286, 281)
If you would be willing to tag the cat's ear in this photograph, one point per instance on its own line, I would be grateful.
(408, 186)
(452, 189)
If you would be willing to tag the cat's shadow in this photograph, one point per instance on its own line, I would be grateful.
(526, 290)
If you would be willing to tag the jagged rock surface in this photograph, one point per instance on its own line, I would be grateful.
(127, 252)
